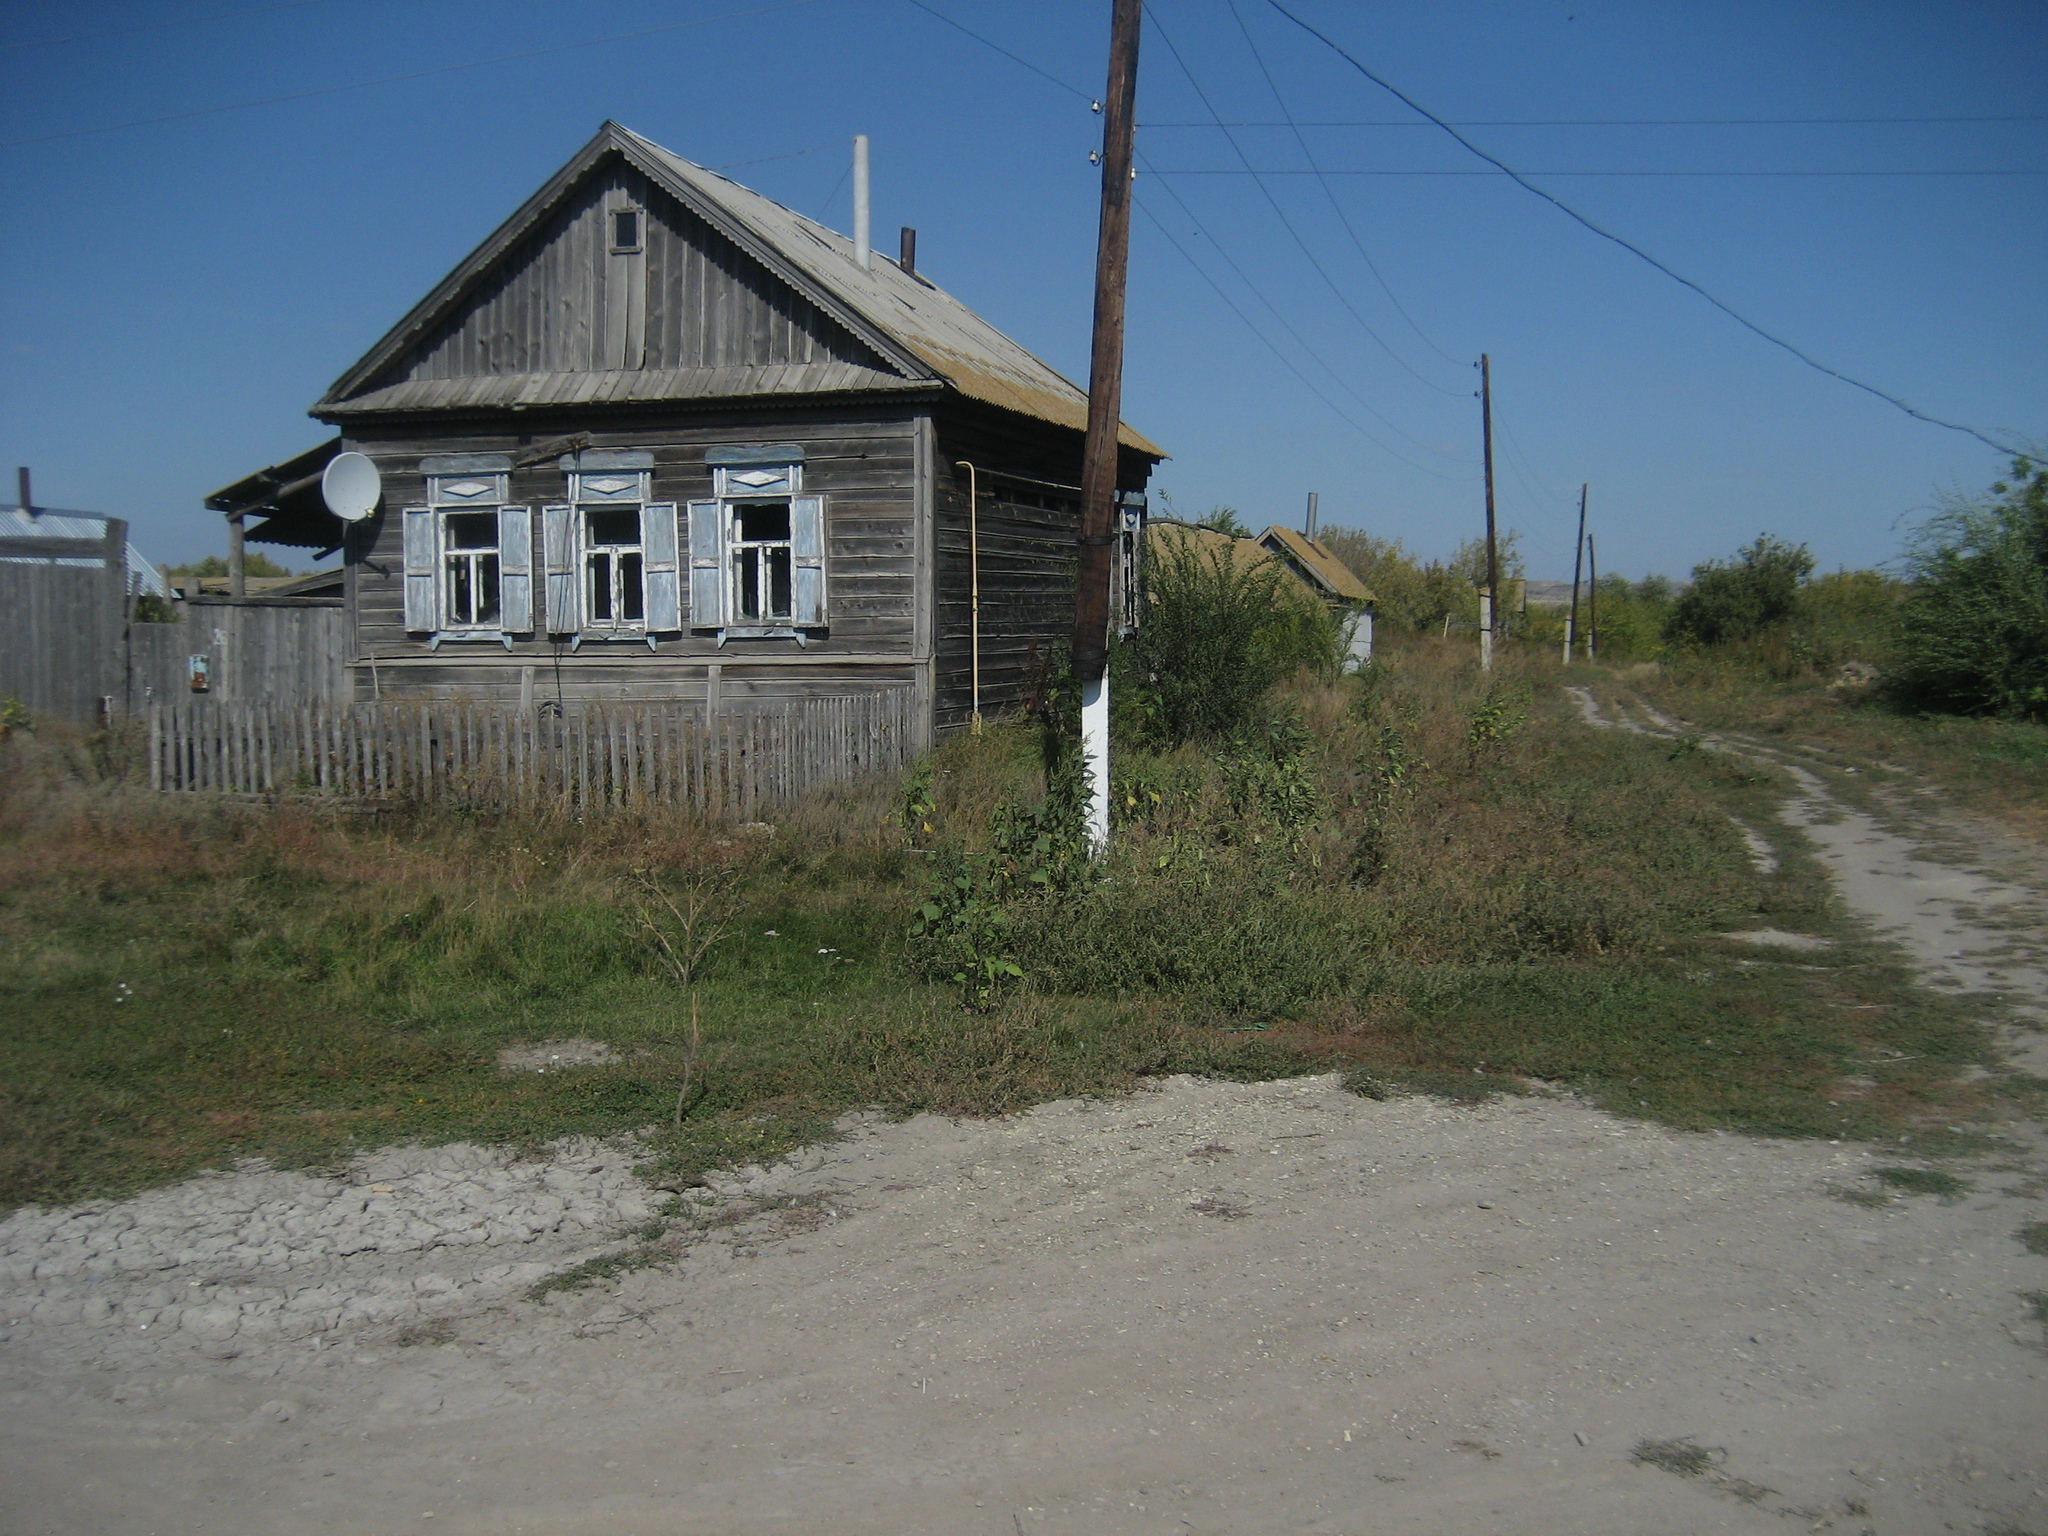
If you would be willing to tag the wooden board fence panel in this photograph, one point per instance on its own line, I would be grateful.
(602, 756)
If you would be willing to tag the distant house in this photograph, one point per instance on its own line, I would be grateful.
(1310, 566)
(661, 438)
(26, 535)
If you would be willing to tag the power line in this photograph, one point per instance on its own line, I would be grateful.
(418, 74)
(1331, 171)
(1074, 90)
(1636, 250)
(1288, 224)
(1598, 122)
(1330, 193)
(1299, 340)
(1267, 341)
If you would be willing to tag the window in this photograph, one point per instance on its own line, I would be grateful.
(469, 567)
(757, 548)
(611, 552)
(468, 556)
(625, 230)
(614, 569)
(761, 555)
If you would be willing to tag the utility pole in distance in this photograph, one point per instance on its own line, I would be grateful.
(1489, 601)
(1105, 413)
(1592, 601)
(1571, 621)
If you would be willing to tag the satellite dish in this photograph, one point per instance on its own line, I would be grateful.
(351, 486)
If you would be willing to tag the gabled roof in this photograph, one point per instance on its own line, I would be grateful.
(1316, 563)
(1327, 579)
(920, 335)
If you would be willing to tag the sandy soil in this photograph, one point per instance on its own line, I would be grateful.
(1206, 1308)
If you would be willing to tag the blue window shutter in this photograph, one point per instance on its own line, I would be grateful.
(707, 567)
(658, 551)
(422, 613)
(515, 570)
(807, 582)
(565, 592)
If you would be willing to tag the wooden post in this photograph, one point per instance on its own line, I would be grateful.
(1105, 413)
(1571, 622)
(1592, 601)
(238, 570)
(1490, 604)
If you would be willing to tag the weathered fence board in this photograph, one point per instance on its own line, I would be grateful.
(589, 758)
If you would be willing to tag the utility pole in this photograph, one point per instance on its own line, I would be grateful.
(1489, 601)
(1105, 413)
(1571, 622)
(1592, 601)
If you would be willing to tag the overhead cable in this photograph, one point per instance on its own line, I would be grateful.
(1285, 361)
(1288, 224)
(1636, 250)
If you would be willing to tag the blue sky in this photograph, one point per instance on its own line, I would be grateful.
(173, 296)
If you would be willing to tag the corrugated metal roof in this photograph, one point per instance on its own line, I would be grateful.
(1336, 578)
(543, 389)
(52, 523)
(930, 334)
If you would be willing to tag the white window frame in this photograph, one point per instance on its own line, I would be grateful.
(466, 495)
(717, 553)
(572, 554)
(432, 558)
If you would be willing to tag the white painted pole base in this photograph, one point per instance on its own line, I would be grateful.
(1095, 760)
(1486, 631)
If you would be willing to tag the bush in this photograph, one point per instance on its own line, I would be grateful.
(1219, 633)
(1740, 601)
(1975, 634)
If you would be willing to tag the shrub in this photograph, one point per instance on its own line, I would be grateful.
(1975, 634)
(1220, 632)
(1739, 601)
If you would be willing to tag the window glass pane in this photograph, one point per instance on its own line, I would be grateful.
(747, 583)
(617, 526)
(486, 589)
(472, 530)
(763, 520)
(625, 230)
(600, 567)
(778, 582)
(632, 606)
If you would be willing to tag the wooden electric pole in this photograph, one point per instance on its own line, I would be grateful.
(1489, 602)
(1592, 601)
(1105, 411)
(1571, 622)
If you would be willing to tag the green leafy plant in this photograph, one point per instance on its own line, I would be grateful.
(1975, 633)
(1740, 599)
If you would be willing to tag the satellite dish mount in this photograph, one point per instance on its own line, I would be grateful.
(351, 486)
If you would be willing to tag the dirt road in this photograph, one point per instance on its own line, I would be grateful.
(1208, 1308)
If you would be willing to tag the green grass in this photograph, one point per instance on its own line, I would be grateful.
(2034, 1238)
(1456, 890)
(1923, 1181)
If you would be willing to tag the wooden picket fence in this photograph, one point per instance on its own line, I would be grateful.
(583, 758)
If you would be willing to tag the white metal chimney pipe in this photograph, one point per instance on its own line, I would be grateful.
(862, 248)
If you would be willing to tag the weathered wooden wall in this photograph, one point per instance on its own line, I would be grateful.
(1030, 518)
(565, 303)
(259, 651)
(61, 647)
(865, 465)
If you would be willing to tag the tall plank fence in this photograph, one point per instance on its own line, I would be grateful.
(587, 758)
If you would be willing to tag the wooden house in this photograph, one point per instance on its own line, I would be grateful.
(660, 438)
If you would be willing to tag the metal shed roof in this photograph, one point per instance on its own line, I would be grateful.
(55, 523)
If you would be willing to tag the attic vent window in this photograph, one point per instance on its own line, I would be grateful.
(625, 230)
